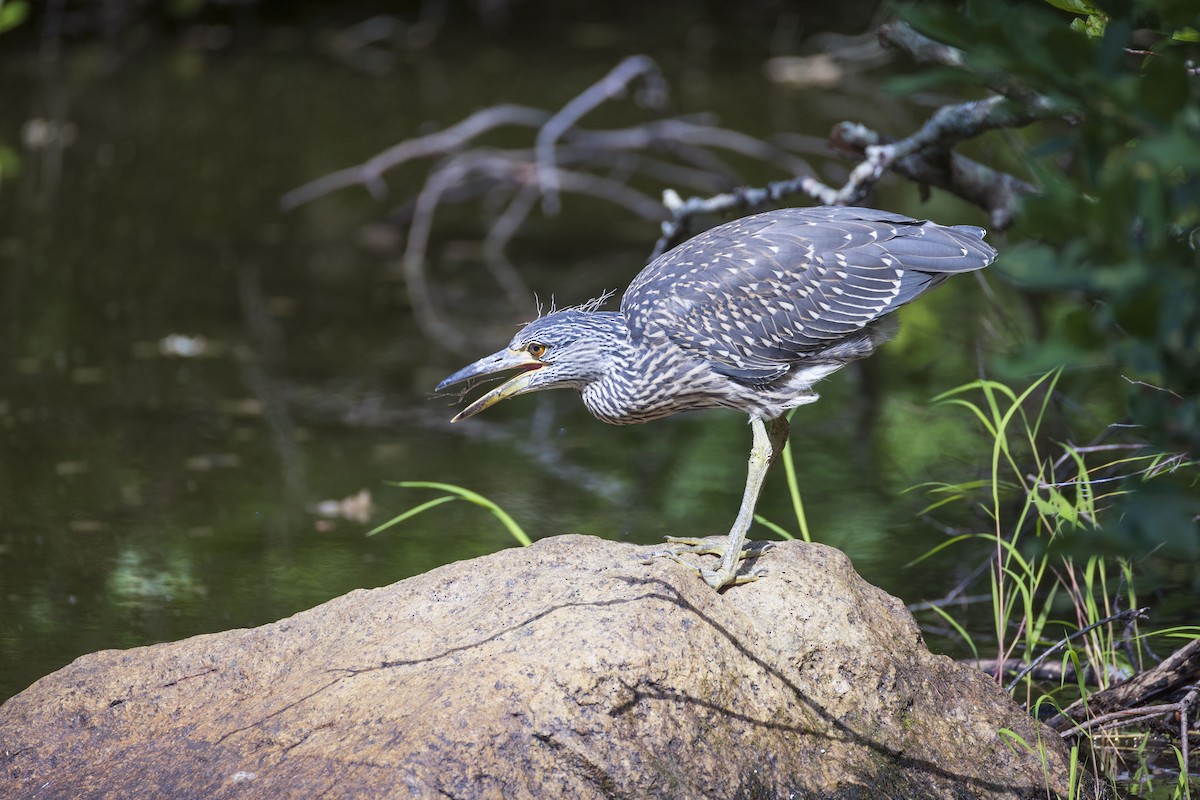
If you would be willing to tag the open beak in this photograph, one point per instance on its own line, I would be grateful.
(490, 365)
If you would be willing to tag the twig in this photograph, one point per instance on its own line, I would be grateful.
(927, 605)
(1129, 716)
(1124, 616)
(1133, 382)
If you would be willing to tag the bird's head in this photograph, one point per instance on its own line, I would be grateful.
(562, 350)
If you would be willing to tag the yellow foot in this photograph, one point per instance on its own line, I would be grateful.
(714, 546)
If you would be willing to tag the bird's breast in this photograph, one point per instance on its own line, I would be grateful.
(671, 381)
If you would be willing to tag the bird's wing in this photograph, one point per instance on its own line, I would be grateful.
(759, 294)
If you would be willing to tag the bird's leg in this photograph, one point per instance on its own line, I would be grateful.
(769, 439)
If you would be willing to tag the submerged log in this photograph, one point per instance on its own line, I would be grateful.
(567, 669)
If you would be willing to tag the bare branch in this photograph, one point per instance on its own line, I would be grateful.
(925, 156)
(450, 174)
(453, 138)
(498, 236)
(923, 49)
(610, 86)
(493, 166)
(614, 192)
(1178, 672)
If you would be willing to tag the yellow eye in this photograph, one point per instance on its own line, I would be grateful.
(536, 349)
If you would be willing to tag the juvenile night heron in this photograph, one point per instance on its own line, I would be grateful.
(748, 315)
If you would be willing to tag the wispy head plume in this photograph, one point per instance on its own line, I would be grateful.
(595, 303)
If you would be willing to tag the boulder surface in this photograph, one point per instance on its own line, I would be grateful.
(570, 669)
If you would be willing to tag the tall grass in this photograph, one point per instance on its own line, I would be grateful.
(1036, 495)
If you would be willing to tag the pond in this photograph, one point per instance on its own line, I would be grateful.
(204, 399)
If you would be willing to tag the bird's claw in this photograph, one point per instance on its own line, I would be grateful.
(716, 578)
(709, 546)
(719, 578)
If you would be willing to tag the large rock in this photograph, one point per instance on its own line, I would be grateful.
(565, 670)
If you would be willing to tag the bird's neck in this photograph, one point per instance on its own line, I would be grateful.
(625, 389)
(602, 394)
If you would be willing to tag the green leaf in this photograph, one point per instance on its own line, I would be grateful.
(1075, 6)
(12, 14)
(1093, 26)
(10, 163)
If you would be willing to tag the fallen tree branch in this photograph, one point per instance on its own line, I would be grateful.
(1176, 673)
(563, 153)
(925, 157)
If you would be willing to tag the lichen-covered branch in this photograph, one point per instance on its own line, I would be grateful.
(924, 50)
(676, 229)
(926, 157)
(994, 191)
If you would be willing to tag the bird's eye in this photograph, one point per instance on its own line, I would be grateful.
(536, 349)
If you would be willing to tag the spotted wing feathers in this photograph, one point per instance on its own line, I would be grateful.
(757, 295)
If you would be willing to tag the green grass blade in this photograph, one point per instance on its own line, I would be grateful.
(776, 529)
(939, 548)
(789, 469)
(472, 497)
(953, 623)
(412, 512)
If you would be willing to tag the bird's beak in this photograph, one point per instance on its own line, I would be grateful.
(489, 365)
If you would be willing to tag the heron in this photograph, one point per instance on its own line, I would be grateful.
(749, 316)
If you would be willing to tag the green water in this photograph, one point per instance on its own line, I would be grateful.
(146, 496)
